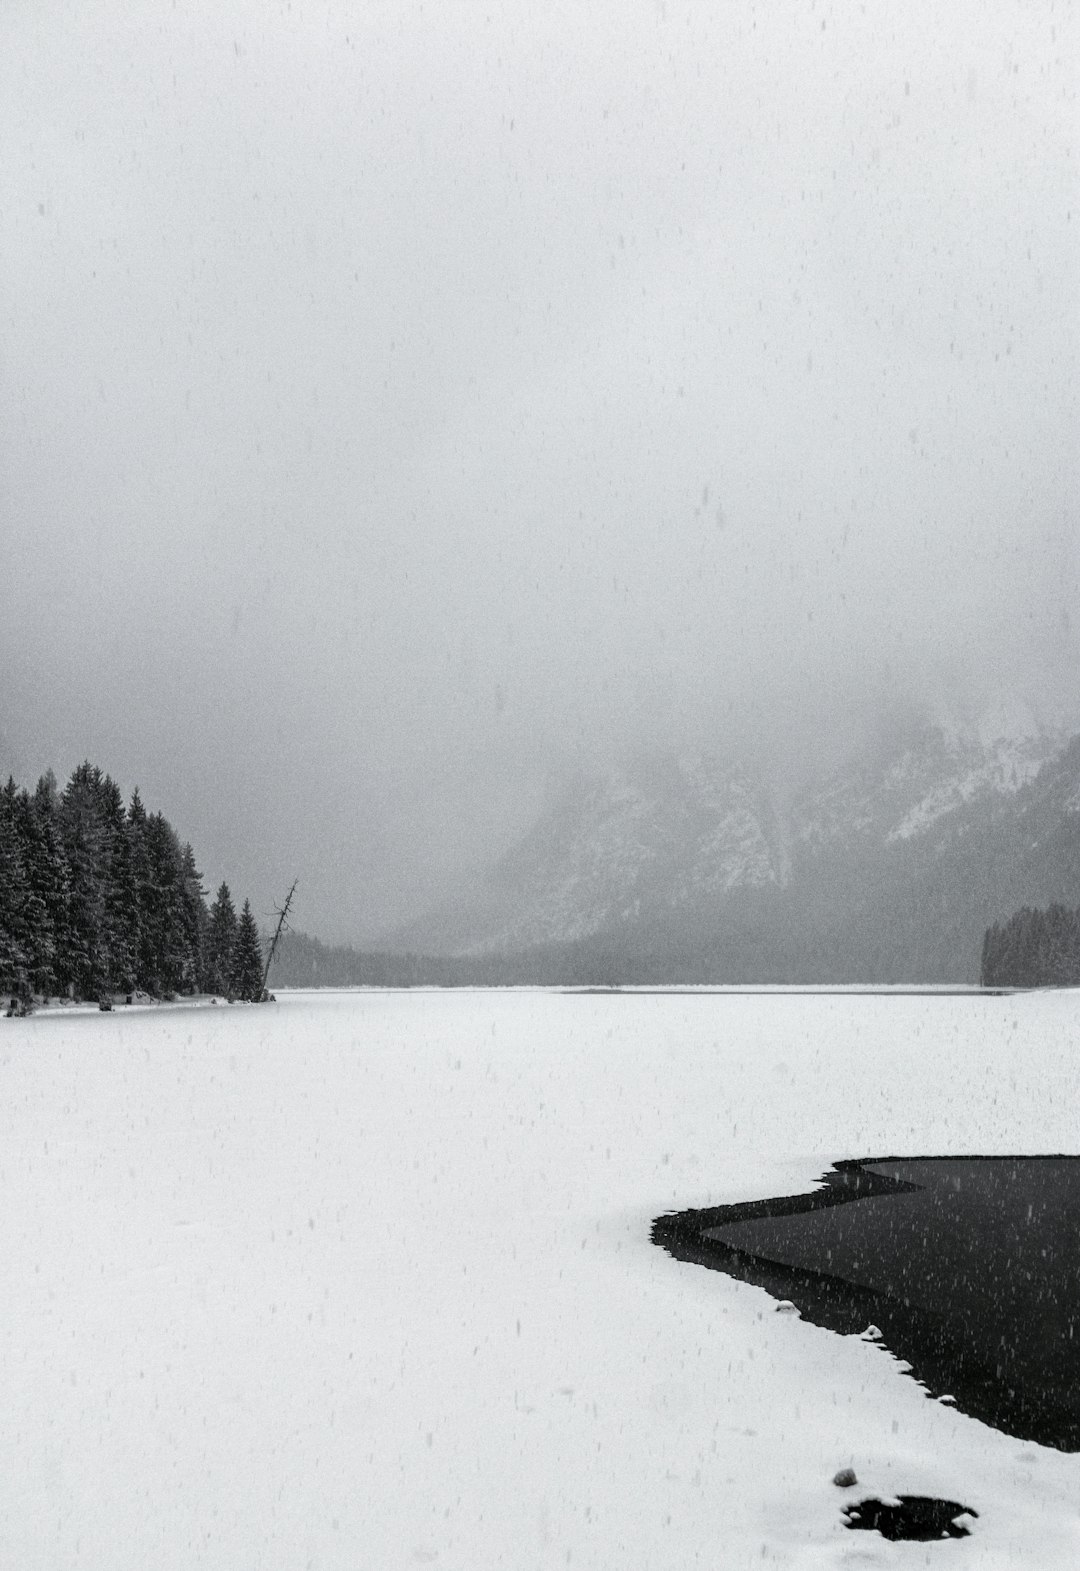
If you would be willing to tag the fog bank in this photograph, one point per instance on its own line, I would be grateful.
(401, 408)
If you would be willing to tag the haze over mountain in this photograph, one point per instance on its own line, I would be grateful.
(409, 410)
(885, 869)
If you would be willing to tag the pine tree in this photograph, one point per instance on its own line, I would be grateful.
(83, 833)
(14, 892)
(38, 940)
(47, 870)
(95, 900)
(1033, 949)
(247, 976)
(165, 949)
(143, 886)
(220, 942)
(121, 918)
(1072, 957)
(196, 918)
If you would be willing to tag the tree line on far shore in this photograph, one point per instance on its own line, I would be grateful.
(1033, 949)
(305, 962)
(99, 899)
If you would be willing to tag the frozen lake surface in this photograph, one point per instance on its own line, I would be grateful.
(366, 1280)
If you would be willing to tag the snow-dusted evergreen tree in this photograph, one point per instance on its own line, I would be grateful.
(14, 891)
(196, 916)
(121, 919)
(47, 871)
(1033, 949)
(142, 879)
(96, 901)
(38, 936)
(85, 846)
(170, 964)
(247, 976)
(220, 941)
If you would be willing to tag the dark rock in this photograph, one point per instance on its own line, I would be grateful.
(845, 1479)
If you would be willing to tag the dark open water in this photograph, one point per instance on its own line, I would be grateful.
(969, 1267)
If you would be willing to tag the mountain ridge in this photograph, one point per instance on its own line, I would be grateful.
(694, 868)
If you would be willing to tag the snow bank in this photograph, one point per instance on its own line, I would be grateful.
(364, 1280)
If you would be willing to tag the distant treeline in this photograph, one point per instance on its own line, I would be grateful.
(98, 899)
(1033, 949)
(301, 961)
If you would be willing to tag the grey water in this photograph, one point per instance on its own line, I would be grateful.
(968, 1267)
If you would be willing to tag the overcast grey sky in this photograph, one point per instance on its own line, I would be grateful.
(400, 403)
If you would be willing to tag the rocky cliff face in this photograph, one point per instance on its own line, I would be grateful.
(696, 869)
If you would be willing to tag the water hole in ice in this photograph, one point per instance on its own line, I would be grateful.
(966, 1268)
(918, 1517)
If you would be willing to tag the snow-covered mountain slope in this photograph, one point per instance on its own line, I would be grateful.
(665, 854)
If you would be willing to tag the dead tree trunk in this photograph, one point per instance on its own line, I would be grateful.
(282, 927)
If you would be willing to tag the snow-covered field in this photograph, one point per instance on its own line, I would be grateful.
(365, 1281)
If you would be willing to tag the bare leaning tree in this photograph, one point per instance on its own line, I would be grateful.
(282, 913)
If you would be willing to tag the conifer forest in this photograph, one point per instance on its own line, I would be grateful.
(99, 900)
(1034, 948)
